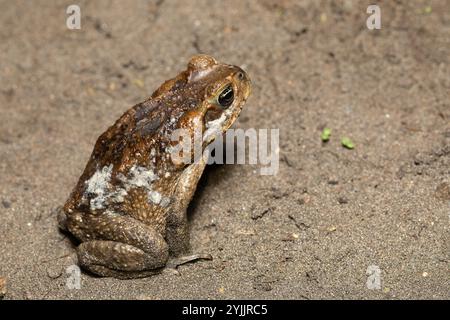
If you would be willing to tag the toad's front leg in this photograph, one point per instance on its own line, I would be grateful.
(177, 229)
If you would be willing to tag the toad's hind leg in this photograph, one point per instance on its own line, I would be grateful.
(118, 246)
(116, 259)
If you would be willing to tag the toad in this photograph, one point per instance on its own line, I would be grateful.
(128, 209)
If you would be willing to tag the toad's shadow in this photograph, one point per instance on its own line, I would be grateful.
(211, 176)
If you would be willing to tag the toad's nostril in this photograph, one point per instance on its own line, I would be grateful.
(241, 76)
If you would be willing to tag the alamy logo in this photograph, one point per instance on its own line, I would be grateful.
(262, 150)
(74, 279)
(374, 279)
(73, 21)
(374, 20)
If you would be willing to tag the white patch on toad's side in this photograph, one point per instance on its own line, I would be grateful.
(154, 197)
(99, 180)
(141, 177)
(98, 185)
(138, 177)
(119, 195)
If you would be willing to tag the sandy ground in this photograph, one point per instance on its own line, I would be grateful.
(311, 231)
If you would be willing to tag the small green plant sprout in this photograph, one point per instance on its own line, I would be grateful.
(347, 143)
(326, 133)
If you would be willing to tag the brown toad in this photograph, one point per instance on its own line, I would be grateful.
(128, 209)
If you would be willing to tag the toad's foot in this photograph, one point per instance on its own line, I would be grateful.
(178, 261)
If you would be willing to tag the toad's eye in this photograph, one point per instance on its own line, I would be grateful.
(226, 97)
